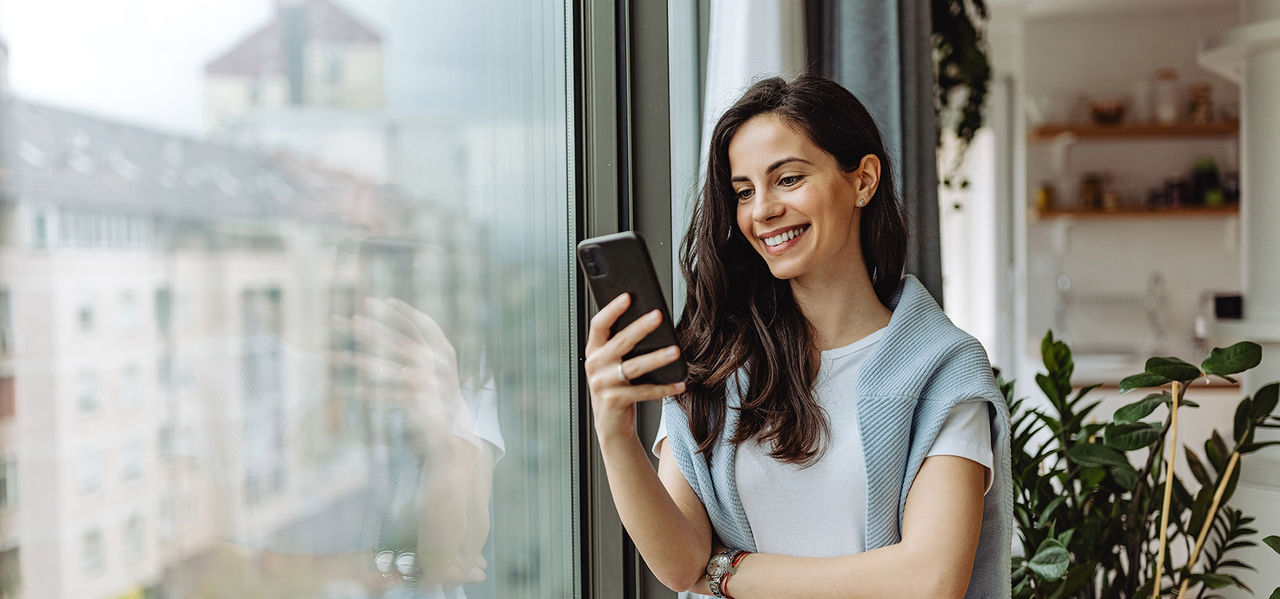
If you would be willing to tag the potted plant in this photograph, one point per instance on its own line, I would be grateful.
(1094, 523)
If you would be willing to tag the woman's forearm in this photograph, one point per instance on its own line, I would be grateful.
(893, 571)
(664, 536)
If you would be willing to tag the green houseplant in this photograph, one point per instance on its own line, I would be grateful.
(1091, 523)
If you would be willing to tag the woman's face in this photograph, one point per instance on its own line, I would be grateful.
(796, 206)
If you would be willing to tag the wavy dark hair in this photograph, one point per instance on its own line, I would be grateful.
(737, 314)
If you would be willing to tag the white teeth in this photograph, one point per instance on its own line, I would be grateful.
(783, 237)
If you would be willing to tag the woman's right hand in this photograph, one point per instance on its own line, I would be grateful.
(613, 397)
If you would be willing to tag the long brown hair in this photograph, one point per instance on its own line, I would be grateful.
(737, 315)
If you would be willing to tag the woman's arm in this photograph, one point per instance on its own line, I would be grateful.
(941, 522)
(660, 511)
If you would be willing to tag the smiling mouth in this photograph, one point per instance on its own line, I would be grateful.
(781, 238)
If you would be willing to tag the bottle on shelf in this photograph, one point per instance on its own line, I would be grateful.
(1165, 94)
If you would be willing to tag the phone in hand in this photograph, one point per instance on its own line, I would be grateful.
(619, 263)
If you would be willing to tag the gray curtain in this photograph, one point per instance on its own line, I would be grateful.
(881, 51)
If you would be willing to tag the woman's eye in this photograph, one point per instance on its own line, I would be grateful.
(790, 180)
(745, 194)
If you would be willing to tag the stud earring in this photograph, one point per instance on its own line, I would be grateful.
(862, 202)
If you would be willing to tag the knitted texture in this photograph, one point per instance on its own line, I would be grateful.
(922, 367)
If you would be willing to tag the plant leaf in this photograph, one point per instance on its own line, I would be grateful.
(1231, 360)
(1197, 467)
(1127, 478)
(1172, 368)
(1213, 581)
(1138, 381)
(1264, 401)
(1273, 541)
(1096, 454)
(1043, 520)
(1132, 435)
(1140, 409)
(1222, 454)
(1243, 423)
(1051, 561)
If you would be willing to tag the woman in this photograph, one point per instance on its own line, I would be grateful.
(837, 436)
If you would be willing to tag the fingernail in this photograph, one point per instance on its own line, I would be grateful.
(679, 387)
(656, 314)
(671, 351)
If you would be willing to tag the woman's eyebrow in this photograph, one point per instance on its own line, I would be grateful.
(773, 167)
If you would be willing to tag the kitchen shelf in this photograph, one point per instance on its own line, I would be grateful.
(1136, 212)
(1135, 130)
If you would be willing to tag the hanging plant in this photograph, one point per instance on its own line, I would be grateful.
(963, 75)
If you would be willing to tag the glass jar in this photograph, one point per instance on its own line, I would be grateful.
(1165, 96)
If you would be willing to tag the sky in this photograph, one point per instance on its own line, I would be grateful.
(136, 61)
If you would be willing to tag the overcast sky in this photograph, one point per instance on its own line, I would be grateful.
(138, 61)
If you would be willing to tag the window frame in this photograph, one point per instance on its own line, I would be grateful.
(624, 176)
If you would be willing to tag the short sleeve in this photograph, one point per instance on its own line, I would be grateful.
(482, 407)
(662, 431)
(967, 434)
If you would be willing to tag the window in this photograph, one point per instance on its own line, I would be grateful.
(131, 460)
(438, 167)
(8, 402)
(163, 310)
(40, 230)
(130, 387)
(164, 373)
(90, 472)
(6, 323)
(91, 552)
(133, 540)
(128, 313)
(8, 483)
(87, 396)
(84, 311)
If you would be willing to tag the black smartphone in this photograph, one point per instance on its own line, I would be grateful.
(620, 263)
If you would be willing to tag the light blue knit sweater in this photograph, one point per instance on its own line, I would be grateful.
(922, 367)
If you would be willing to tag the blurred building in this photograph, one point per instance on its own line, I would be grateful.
(146, 398)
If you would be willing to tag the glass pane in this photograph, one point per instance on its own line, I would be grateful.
(288, 285)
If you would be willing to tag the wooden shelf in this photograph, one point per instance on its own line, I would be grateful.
(1137, 212)
(1135, 131)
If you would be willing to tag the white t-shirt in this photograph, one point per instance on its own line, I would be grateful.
(820, 511)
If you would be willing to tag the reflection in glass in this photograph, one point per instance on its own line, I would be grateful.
(313, 309)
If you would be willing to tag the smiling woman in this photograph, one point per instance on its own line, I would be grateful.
(837, 435)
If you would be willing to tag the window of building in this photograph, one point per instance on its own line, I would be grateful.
(130, 387)
(6, 323)
(8, 483)
(133, 539)
(84, 310)
(40, 230)
(164, 373)
(91, 553)
(163, 310)
(87, 394)
(128, 312)
(90, 471)
(131, 460)
(8, 399)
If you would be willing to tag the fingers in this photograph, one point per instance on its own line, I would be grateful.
(641, 365)
(598, 334)
(423, 325)
(627, 338)
(633, 394)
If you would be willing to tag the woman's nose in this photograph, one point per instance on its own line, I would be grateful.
(766, 207)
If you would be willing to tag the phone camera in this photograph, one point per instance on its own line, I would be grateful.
(593, 261)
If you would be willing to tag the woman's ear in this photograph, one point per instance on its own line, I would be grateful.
(866, 178)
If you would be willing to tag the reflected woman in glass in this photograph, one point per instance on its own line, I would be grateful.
(837, 435)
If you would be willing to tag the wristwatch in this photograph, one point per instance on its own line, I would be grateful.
(721, 566)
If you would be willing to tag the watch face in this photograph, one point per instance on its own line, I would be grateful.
(718, 565)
